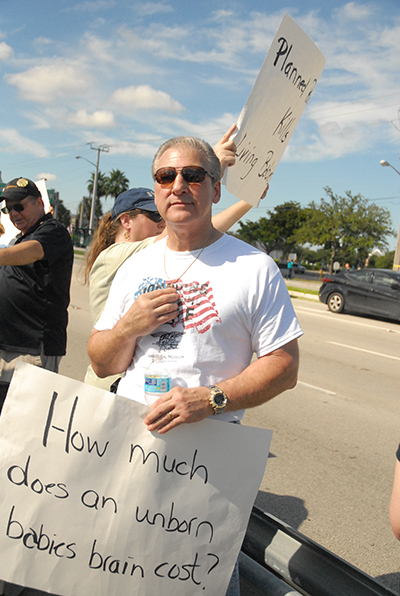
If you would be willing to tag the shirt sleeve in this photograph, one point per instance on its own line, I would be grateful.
(55, 240)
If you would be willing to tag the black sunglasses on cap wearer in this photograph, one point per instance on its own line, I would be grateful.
(153, 215)
(191, 174)
(18, 207)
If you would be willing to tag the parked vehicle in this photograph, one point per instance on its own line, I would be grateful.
(365, 291)
(297, 268)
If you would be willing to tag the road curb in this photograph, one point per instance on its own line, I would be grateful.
(294, 294)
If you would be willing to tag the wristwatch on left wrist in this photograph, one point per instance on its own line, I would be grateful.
(218, 399)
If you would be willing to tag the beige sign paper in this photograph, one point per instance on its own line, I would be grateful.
(272, 111)
(93, 504)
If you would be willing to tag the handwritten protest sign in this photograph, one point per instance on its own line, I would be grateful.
(272, 111)
(92, 503)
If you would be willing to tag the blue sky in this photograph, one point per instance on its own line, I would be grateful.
(132, 74)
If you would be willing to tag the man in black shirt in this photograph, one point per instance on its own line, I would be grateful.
(35, 277)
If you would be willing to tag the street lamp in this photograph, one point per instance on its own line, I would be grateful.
(104, 148)
(396, 262)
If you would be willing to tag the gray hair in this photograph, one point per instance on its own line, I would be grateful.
(210, 160)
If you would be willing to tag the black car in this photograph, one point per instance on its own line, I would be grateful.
(364, 291)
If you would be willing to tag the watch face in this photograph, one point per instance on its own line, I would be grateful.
(219, 399)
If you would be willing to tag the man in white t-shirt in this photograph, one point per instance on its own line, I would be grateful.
(204, 300)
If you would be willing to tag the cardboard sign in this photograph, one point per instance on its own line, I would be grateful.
(92, 503)
(272, 111)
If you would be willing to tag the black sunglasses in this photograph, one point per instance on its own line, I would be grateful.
(190, 174)
(153, 215)
(18, 207)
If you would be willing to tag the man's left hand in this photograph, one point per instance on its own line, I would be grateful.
(181, 405)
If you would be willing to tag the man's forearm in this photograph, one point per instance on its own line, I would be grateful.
(111, 351)
(22, 254)
(263, 379)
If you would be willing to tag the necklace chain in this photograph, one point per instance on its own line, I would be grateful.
(187, 268)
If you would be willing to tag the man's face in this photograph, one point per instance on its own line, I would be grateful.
(183, 202)
(24, 220)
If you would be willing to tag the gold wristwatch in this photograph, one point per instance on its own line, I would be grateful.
(218, 399)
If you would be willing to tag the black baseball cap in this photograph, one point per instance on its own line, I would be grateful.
(134, 198)
(18, 189)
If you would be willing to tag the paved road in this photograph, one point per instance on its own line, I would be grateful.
(332, 457)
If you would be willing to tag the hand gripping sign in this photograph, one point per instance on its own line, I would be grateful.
(272, 111)
(93, 504)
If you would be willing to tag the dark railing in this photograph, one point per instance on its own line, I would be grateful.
(300, 564)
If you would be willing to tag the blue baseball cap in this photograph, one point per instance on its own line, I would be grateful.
(134, 198)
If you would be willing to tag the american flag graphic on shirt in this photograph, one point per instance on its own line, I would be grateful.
(197, 308)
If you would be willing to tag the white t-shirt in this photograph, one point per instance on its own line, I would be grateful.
(233, 303)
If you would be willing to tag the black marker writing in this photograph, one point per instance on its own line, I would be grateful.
(21, 476)
(246, 155)
(113, 565)
(284, 126)
(181, 468)
(72, 439)
(289, 69)
(171, 523)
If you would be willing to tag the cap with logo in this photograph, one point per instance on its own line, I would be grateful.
(18, 189)
(134, 198)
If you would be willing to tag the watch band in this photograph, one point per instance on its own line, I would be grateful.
(218, 399)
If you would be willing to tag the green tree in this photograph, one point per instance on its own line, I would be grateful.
(63, 214)
(383, 262)
(98, 210)
(345, 225)
(102, 185)
(277, 231)
(117, 182)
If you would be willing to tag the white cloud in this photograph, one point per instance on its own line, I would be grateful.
(45, 41)
(151, 8)
(12, 142)
(99, 119)
(46, 176)
(144, 97)
(40, 121)
(5, 51)
(353, 11)
(46, 82)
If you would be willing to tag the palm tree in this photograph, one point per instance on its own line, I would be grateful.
(102, 184)
(117, 182)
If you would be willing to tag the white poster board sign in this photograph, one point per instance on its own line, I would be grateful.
(93, 504)
(10, 230)
(272, 111)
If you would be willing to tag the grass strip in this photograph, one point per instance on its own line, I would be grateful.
(302, 290)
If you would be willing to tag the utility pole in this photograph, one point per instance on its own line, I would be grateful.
(396, 261)
(104, 148)
(100, 148)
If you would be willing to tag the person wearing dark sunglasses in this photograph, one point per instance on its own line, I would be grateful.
(201, 301)
(212, 298)
(35, 276)
(132, 225)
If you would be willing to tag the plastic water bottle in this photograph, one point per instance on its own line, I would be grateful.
(157, 380)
